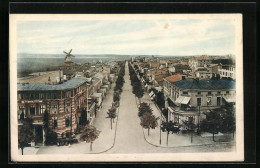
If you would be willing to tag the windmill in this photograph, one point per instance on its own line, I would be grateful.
(68, 56)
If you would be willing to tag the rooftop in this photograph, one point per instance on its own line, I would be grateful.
(174, 78)
(70, 84)
(194, 84)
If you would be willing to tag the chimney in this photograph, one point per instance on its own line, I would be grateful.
(182, 77)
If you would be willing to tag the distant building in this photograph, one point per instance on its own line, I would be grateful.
(227, 72)
(203, 61)
(50, 77)
(187, 99)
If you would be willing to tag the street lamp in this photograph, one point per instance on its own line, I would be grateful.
(199, 121)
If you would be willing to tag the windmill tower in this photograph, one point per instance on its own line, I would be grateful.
(67, 59)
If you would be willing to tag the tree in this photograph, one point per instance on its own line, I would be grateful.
(46, 125)
(111, 114)
(212, 123)
(50, 136)
(169, 127)
(190, 127)
(144, 108)
(140, 93)
(116, 96)
(149, 121)
(46, 121)
(228, 124)
(25, 133)
(90, 134)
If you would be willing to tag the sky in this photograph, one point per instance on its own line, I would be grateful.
(130, 37)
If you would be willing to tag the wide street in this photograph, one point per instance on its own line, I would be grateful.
(130, 135)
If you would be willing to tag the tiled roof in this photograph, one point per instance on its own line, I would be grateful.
(203, 58)
(194, 84)
(73, 83)
(158, 73)
(174, 78)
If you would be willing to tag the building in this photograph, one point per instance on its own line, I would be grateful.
(187, 99)
(204, 75)
(227, 71)
(61, 102)
(203, 61)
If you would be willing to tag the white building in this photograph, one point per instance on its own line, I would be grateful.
(227, 71)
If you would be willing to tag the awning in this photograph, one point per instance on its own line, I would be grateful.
(182, 100)
(185, 100)
(97, 95)
(230, 99)
(179, 99)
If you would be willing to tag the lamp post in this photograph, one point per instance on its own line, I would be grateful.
(71, 120)
(199, 121)
(161, 129)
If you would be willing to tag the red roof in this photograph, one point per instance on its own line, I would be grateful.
(158, 73)
(174, 78)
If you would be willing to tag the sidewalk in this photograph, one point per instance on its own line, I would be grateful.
(28, 151)
(106, 137)
(178, 140)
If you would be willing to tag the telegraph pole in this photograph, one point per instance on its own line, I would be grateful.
(199, 121)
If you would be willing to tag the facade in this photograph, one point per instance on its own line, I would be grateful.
(204, 75)
(187, 99)
(61, 101)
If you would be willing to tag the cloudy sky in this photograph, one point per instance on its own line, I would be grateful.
(151, 37)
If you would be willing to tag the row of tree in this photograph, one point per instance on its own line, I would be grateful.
(117, 92)
(138, 90)
(90, 133)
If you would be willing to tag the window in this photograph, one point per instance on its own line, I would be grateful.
(219, 92)
(185, 92)
(42, 96)
(31, 96)
(55, 124)
(227, 92)
(42, 109)
(22, 114)
(199, 93)
(218, 101)
(209, 93)
(32, 110)
(67, 122)
(209, 103)
(54, 109)
(190, 119)
(198, 101)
